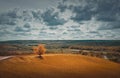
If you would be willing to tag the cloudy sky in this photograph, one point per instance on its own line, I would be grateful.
(59, 20)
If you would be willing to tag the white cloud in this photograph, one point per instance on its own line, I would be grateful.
(55, 24)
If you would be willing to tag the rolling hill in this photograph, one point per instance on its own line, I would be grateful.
(58, 66)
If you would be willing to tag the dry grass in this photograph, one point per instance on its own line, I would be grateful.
(58, 66)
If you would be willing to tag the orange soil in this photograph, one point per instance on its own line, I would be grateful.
(58, 66)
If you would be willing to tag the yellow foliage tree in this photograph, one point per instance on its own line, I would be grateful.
(40, 49)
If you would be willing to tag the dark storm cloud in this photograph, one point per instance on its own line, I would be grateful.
(12, 13)
(108, 9)
(110, 26)
(27, 25)
(9, 18)
(13, 16)
(106, 18)
(27, 15)
(103, 10)
(62, 7)
(51, 18)
(36, 14)
(81, 14)
(5, 20)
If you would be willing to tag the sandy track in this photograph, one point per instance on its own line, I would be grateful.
(5, 57)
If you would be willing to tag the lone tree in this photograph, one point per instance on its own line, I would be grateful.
(40, 50)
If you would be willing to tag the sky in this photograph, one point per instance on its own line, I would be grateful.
(59, 20)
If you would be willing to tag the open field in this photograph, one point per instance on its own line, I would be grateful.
(63, 59)
(58, 66)
(107, 49)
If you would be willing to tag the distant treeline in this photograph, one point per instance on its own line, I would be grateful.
(25, 46)
(66, 42)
